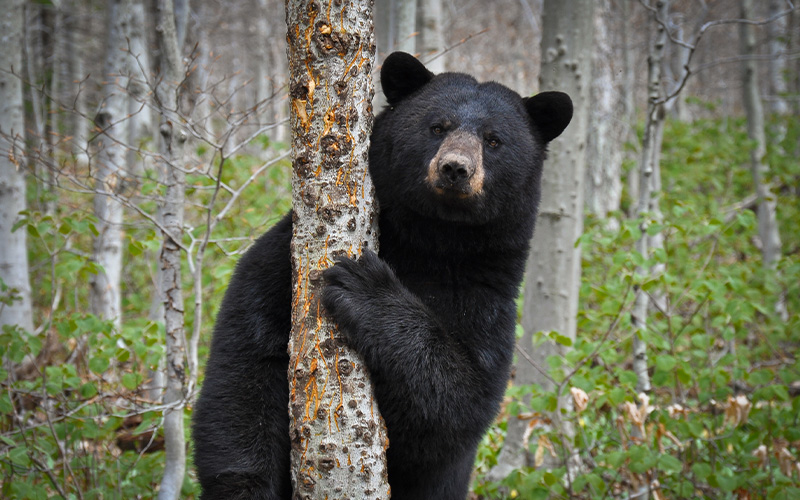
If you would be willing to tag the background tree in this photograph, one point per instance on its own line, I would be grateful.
(171, 165)
(431, 38)
(768, 232)
(777, 63)
(405, 12)
(607, 127)
(647, 208)
(15, 307)
(337, 449)
(553, 273)
(113, 176)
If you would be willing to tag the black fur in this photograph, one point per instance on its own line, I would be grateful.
(433, 315)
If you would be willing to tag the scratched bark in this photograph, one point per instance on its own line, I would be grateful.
(338, 437)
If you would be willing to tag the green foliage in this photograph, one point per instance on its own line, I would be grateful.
(722, 418)
(78, 417)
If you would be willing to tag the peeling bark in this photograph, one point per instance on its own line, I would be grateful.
(338, 437)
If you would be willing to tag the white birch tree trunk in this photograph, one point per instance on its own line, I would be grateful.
(75, 53)
(105, 292)
(793, 75)
(649, 176)
(768, 232)
(628, 91)
(263, 62)
(141, 129)
(552, 279)
(338, 450)
(405, 15)
(777, 36)
(171, 165)
(677, 59)
(56, 42)
(607, 128)
(431, 43)
(202, 110)
(13, 244)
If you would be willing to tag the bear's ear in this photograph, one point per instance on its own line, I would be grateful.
(550, 112)
(401, 75)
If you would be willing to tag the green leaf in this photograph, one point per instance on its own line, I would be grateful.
(88, 390)
(669, 464)
(701, 470)
(617, 395)
(130, 380)
(99, 364)
(665, 362)
(549, 478)
(561, 339)
(726, 482)
(5, 404)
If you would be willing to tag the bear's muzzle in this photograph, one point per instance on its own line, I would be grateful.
(457, 168)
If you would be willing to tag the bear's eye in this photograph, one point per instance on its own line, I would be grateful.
(437, 129)
(492, 142)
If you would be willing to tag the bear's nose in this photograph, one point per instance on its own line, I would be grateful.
(455, 169)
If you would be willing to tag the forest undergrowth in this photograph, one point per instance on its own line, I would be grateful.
(722, 420)
(79, 417)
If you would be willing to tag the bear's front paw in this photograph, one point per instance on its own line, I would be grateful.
(351, 287)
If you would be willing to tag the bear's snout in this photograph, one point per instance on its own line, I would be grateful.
(457, 167)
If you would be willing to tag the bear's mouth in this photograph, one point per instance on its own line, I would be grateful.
(460, 192)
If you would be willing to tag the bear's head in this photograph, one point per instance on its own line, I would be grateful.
(450, 149)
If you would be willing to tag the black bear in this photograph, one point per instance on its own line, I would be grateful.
(456, 166)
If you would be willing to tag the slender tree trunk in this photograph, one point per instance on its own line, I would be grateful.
(13, 244)
(264, 66)
(202, 110)
(431, 43)
(674, 66)
(171, 159)
(607, 128)
(141, 129)
(777, 36)
(647, 203)
(793, 75)
(767, 220)
(338, 437)
(384, 27)
(552, 280)
(111, 120)
(628, 93)
(405, 15)
(57, 41)
(180, 11)
(75, 53)
(34, 66)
